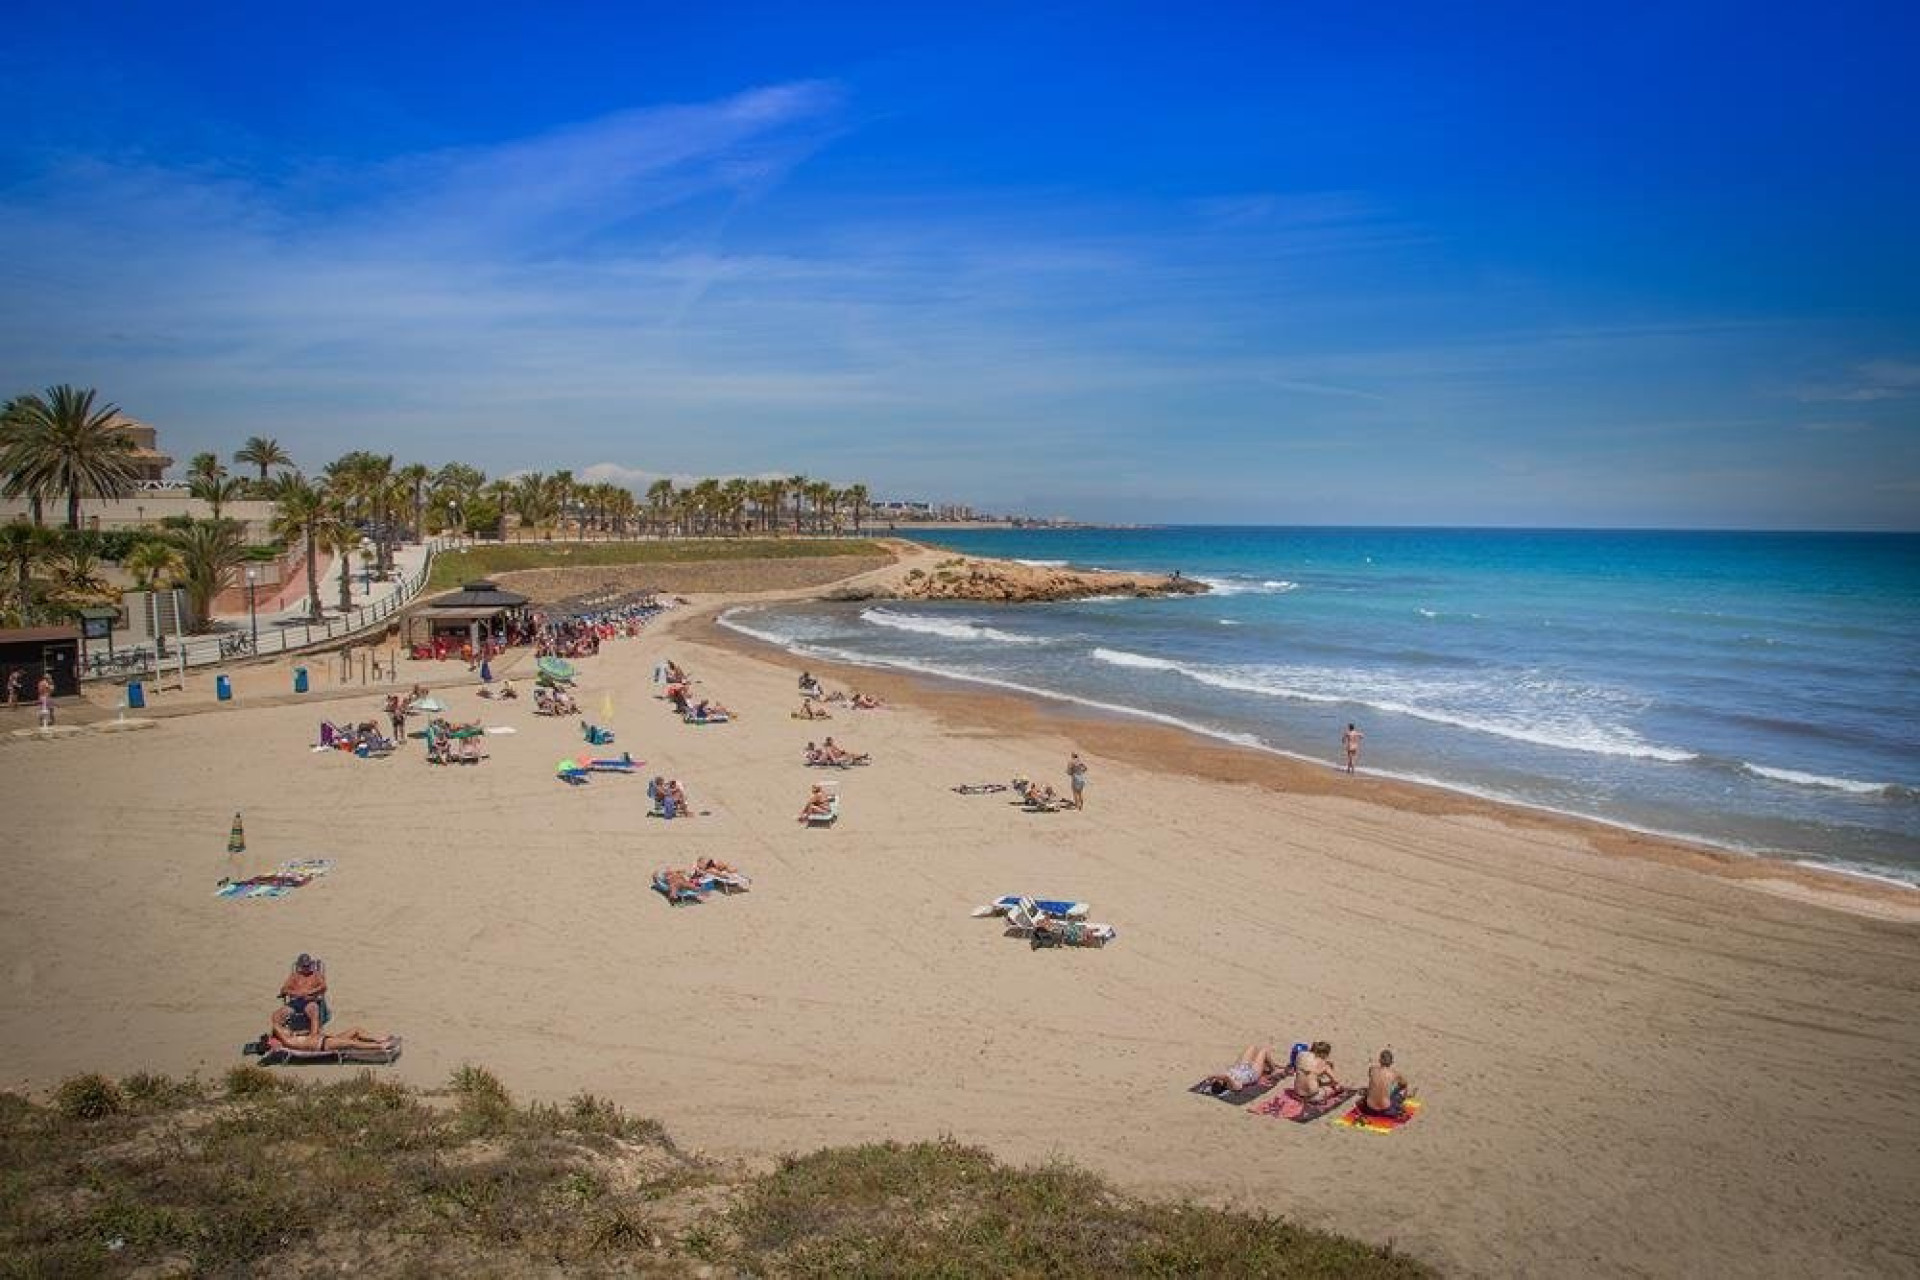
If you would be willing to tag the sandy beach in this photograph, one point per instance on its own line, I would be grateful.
(1634, 1062)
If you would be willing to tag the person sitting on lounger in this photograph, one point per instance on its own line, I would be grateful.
(836, 755)
(819, 805)
(1313, 1078)
(1387, 1089)
(677, 882)
(282, 1031)
(305, 992)
(809, 687)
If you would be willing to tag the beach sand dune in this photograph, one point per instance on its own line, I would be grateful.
(1629, 1066)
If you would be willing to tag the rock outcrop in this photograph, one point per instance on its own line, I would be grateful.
(1008, 582)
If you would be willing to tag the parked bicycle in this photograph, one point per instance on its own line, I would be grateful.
(235, 645)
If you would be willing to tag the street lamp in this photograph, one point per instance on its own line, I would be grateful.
(253, 618)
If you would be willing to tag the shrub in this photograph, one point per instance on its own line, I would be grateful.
(250, 1081)
(88, 1097)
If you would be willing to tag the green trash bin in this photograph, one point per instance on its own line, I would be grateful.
(299, 679)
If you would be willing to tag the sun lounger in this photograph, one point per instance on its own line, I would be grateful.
(726, 881)
(827, 819)
(274, 1054)
(1057, 907)
(716, 718)
(623, 763)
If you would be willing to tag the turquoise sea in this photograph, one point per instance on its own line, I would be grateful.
(1759, 691)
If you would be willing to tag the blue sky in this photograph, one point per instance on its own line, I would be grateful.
(1648, 265)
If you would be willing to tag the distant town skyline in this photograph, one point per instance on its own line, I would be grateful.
(1265, 265)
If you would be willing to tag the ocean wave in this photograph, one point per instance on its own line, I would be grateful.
(1228, 622)
(1853, 786)
(1249, 586)
(1547, 726)
(1043, 564)
(946, 628)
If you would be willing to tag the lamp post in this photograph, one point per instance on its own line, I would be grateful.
(253, 618)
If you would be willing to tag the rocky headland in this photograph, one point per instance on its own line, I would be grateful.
(1009, 582)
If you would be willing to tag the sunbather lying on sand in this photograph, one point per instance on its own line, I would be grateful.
(715, 867)
(864, 702)
(839, 755)
(678, 882)
(1387, 1089)
(808, 711)
(1035, 796)
(819, 804)
(1313, 1078)
(1255, 1064)
(706, 710)
(281, 1030)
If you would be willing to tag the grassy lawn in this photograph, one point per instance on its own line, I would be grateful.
(458, 567)
(259, 1174)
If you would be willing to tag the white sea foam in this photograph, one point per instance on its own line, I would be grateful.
(1043, 564)
(946, 628)
(1426, 613)
(730, 619)
(1249, 586)
(1851, 785)
(1548, 724)
(1227, 622)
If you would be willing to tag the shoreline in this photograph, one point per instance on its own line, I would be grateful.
(1570, 1017)
(1781, 873)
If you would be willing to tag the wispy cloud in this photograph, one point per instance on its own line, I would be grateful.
(1866, 382)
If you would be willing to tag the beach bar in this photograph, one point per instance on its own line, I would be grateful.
(477, 611)
(33, 650)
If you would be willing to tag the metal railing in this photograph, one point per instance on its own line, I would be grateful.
(279, 637)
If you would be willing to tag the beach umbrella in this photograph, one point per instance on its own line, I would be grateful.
(429, 704)
(237, 838)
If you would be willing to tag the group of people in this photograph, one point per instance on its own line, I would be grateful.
(551, 700)
(362, 739)
(669, 798)
(814, 699)
(1315, 1082)
(580, 635)
(831, 754)
(43, 692)
(300, 1021)
(679, 696)
(704, 874)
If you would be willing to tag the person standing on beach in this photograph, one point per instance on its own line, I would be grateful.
(45, 690)
(1351, 741)
(1077, 776)
(16, 684)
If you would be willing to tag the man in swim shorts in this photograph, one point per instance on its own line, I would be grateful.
(1387, 1089)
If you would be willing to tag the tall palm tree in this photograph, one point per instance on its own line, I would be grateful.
(302, 512)
(210, 550)
(454, 486)
(335, 534)
(536, 500)
(205, 466)
(67, 446)
(217, 490)
(857, 500)
(500, 494)
(415, 477)
(660, 497)
(822, 497)
(264, 453)
(13, 434)
(797, 486)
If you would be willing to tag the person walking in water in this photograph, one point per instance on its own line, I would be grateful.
(1077, 777)
(1351, 741)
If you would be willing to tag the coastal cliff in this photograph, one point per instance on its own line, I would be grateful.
(1011, 582)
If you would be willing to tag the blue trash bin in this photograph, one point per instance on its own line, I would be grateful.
(136, 695)
(223, 688)
(299, 679)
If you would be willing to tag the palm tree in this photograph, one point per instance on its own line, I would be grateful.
(500, 494)
(210, 550)
(822, 497)
(454, 487)
(13, 436)
(857, 499)
(336, 534)
(797, 486)
(67, 446)
(414, 477)
(660, 497)
(302, 511)
(149, 562)
(217, 490)
(205, 466)
(535, 499)
(24, 548)
(264, 453)
(77, 582)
